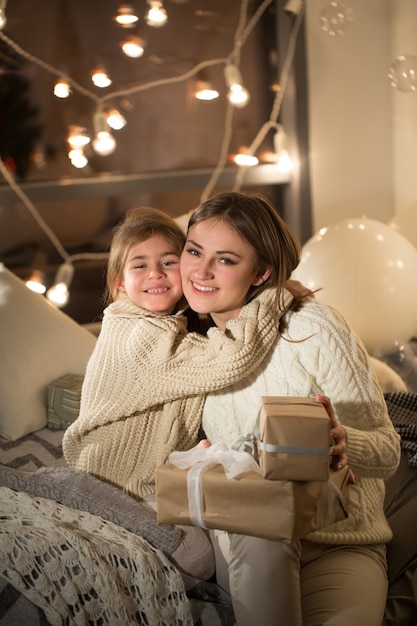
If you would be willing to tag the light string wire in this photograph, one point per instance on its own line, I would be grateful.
(241, 34)
(228, 120)
(276, 107)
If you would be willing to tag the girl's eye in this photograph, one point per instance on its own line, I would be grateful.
(169, 263)
(226, 261)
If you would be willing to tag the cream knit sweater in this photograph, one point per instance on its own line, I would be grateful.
(142, 395)
(319, 353)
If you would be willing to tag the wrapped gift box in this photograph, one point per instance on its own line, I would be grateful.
(64, 396)
(293, 439)
(250, 504)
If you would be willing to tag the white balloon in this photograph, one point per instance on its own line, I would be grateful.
(405, 223)
(368, 272)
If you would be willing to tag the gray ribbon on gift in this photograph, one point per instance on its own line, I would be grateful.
(269, 447)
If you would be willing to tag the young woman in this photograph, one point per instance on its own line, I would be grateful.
(238, 251)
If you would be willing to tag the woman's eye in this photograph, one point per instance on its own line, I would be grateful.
(226, 261)
(193, 251)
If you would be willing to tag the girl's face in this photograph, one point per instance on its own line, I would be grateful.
(151, 276)
(218, 268)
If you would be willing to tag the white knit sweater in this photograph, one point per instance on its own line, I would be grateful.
(320, 354)
(143, 391)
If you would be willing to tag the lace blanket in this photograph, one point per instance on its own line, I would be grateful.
(81, 569)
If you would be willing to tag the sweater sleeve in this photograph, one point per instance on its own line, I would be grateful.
(337, 362)
(141, 361)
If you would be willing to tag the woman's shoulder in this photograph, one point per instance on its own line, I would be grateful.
(314, 314)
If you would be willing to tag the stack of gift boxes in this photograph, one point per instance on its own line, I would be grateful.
(293, 493)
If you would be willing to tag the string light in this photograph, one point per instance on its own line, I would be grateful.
(77, 137)
(237, 95)
(3, 18)
(282, 157)
(133, 46)
(204, 90)
(36, 282)
(126, 16)
(100, 78)
(58, 294)
(103, 143)
(78, 158)
(115, 119)
(101, 126)
(62, 88)
(156, 15)
(244, 159)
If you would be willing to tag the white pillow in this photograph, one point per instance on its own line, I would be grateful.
(388, 378)
(38, 344)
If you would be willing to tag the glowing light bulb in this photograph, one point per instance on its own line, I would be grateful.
(403, 73)
(103, 142)
(126, 16)
(58, 294)
(3, 18)
(133, 47)
(100, 78)
(115, 119)
(62, 88)
(237, 95)
(36, 282)
(282, 157)
(156, 15)
(77, 137)
(205, 91)
(244, 159)
(77, 158)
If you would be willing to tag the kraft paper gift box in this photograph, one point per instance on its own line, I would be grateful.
(64, 397)
(293, 439)
(248, 503)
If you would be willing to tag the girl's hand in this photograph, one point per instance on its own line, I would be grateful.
(203, 443)
(339, 458)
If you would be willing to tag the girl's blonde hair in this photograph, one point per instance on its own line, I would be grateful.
(258, 223)
(139, 224)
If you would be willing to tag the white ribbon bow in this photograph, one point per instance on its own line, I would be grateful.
(199, 460)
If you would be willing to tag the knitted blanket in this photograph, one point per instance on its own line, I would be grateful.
(80, 569)
(144, 387)
(84, 492)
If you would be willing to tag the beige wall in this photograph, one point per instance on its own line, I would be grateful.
(363, 135)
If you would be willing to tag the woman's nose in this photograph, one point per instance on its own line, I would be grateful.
(203, 270)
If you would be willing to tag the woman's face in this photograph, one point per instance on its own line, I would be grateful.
(217, 269)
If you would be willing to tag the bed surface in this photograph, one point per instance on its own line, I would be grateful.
(40, 454)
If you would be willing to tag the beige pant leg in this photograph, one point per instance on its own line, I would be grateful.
(262, 577)
(343, 585)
